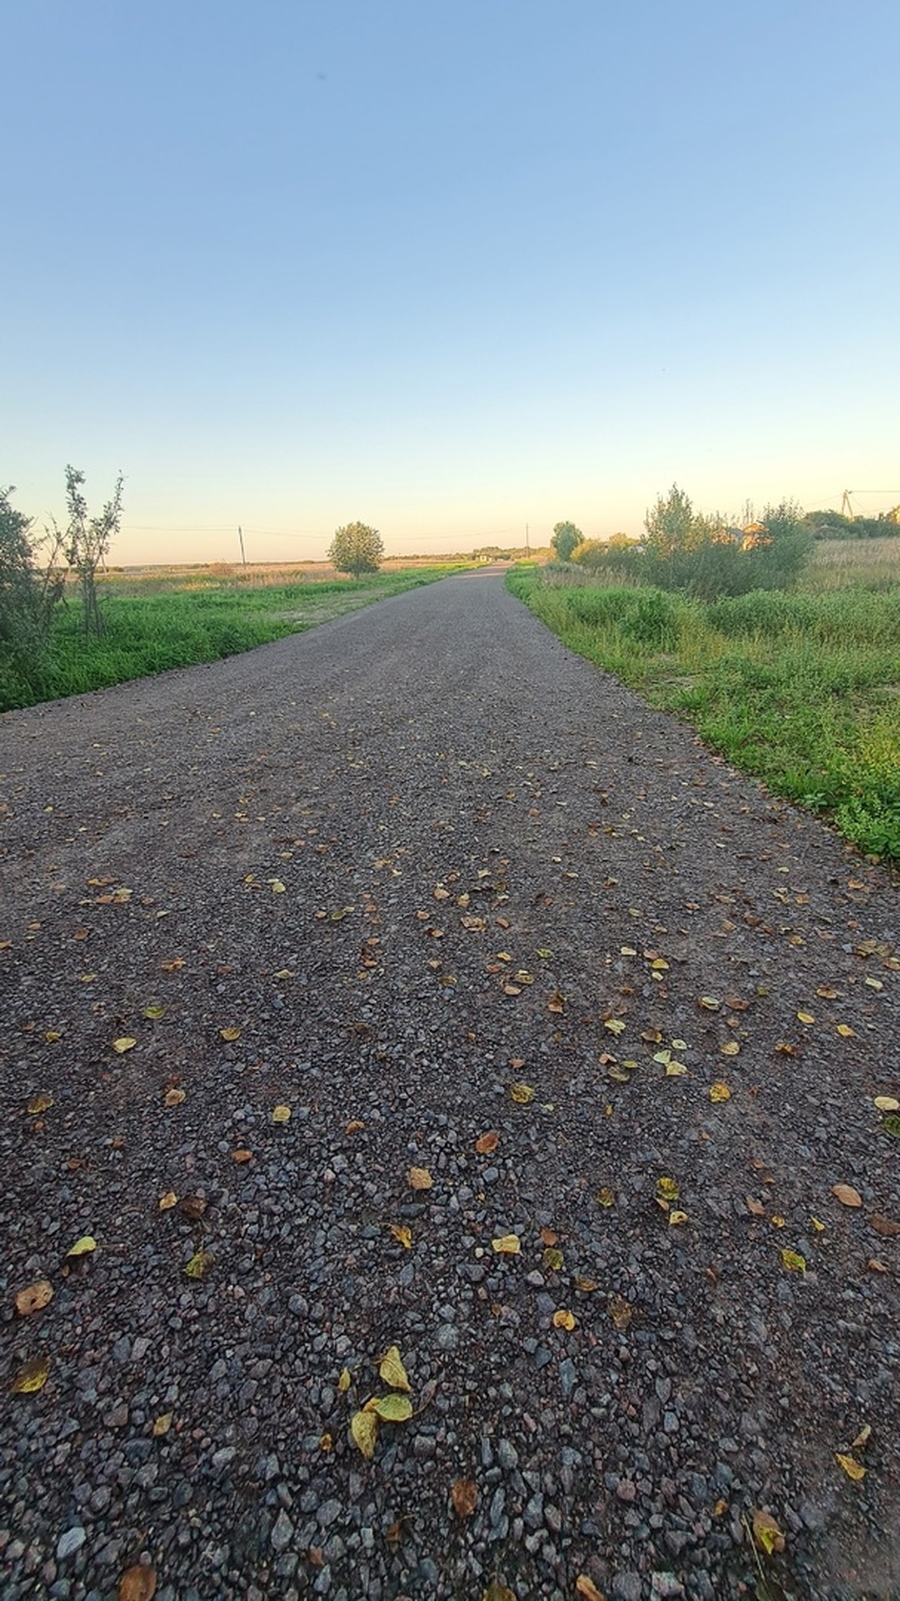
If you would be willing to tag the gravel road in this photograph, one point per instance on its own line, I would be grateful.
(422, 876)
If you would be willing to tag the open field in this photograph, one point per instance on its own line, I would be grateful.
(163, 617)
(802, 690)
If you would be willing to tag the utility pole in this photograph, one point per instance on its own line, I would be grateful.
(527, 546)
(243, 552)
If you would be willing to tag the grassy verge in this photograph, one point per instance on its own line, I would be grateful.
(802, 690)
(152, 626)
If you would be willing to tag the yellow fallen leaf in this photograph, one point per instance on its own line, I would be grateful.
(777, 1221)
(817, 1225)
(364, 1431)
(402, 1233)
(498, 1592)
(154, 1011)
(586, 1588)
(853, 1469)
(667, 1189)
(167, 1201)
(675, 1069)
(487, 1143)
(793, 1261)
(754, 1207)
(125, 1042)
(83, 1246)
(563, 1319)
(805, 1017)
(284, 972)
(883, 1103)
(464, 1495)
(138, 1583)
(419, 1178)
(34, 1297)
(677, 1217)
(615, 1025)
(174, 1097)
(845, 1031)
(522, 1094)
(343, 1382)
(275, 885)
(355, 1126)
(507, 1245)
(52, 1036)
(326, 1443)
(39, 1103)
(557, 1002)
(847, 1195)
(620, 1311)
(708, 1003)
(393, 1408)
(587, 1286)
(719, 1092)
(230, 1034)
(606, 1196)
(281, 1114)
(862, 1439)
(731, 1048)
(162, 1425)
(32, 1377)
(767, 1533)
(553, 1258)
(199, 1264)
(392, 1371)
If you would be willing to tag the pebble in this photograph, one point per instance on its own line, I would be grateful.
(70, 1542)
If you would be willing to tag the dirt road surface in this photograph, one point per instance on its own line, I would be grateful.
(466, 908)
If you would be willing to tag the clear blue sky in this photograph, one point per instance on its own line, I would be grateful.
(445, 267)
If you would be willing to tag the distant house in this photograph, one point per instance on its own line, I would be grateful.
(755, 535)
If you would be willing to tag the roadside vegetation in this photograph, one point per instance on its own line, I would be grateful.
(794, 677)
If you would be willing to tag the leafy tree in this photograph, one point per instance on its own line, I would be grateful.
(87, 544)
(28, 597)
(356, 548)
(566, 537)
(672, 526)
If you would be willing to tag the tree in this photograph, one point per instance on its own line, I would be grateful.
(356, 548)
(87, 544)
(28, 597)
(565, 539)
(671, 525)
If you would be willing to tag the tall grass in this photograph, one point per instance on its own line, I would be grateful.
(802, 690)
(152, 626)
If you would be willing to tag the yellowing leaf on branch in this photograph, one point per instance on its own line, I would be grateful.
(32, 1377)
(507, 1245)
(392, 1371)
(419, 1178)
(34, 1297)
(364, 1432)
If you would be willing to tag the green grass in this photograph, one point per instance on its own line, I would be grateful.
(802, 690)
(152, 625)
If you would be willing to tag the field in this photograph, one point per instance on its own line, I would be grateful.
(162, 617)
(801, 689)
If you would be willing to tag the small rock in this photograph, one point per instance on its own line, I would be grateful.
(282, 1532)
(70, 1542)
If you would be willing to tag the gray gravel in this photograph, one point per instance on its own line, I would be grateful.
(449, 799)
